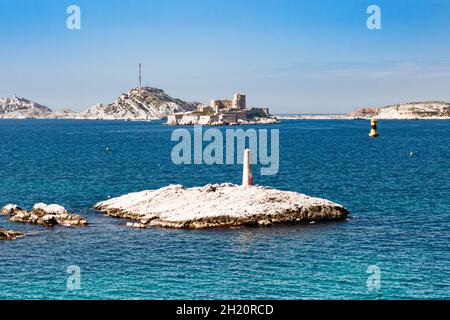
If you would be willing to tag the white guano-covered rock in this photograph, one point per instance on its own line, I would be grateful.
(10, 209)
(220, 205)
(44, 214)
(49, 209)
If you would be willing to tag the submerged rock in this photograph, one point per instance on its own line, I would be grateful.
(43, 214)
(10, 235)
(220, 205)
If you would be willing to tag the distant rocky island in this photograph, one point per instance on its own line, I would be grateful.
(148, 103)
(21, 108)
(428, 110)
(145, 103)
(224, 112)
(141, 103)
(408, 111)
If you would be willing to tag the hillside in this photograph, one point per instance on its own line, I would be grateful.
(413, 110)
(138, 104)
(21, 108)
(144, 103)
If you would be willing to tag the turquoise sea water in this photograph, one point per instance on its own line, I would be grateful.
(400, 215)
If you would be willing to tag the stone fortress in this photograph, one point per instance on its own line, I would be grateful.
(223, 112)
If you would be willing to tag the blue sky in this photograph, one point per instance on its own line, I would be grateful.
(290, 55)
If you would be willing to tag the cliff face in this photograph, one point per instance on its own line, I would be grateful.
(414, 110)
(20, 108)
(139, 104)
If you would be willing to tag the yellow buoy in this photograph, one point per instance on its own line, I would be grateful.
(374, 130)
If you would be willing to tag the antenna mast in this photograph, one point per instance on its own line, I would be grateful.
(140, 76)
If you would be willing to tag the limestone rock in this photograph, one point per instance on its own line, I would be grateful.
(10, 235)
(136, 225)
(220, 205)
(10, 209)
(427, 110)
(43, 214)
(21, 108)
(52, 209)
(143, 103)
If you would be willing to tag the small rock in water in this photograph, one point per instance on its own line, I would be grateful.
(136, 225)
(10, 235)
(43, 214)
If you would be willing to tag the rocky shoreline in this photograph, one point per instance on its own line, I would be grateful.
(219, 206)
(43, 214)
(209, 121)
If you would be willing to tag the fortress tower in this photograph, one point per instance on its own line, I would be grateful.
(239, 101)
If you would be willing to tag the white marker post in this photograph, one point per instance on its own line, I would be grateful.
(247, 178)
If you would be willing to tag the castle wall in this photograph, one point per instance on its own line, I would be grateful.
(221, 104)
(228, 117)
(258, 112)
(204, 120)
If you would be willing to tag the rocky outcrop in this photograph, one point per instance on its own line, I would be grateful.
(10, 235)
(144, 103)
(21, 108)
(409, 111)
(43, 214)
(219, 205)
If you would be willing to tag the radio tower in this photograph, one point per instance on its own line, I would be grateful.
(140, 76)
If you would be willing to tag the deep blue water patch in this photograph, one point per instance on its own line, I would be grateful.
(400, 214)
